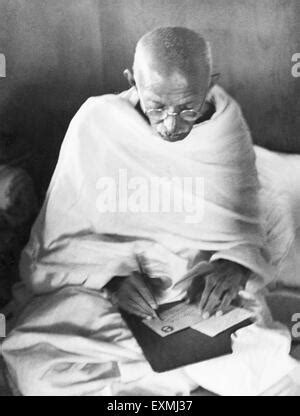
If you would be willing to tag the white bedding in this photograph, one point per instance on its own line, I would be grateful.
(279, 174)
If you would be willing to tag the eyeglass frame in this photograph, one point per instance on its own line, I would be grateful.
(166, 113)
(213, 76)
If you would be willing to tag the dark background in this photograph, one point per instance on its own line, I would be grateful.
(59, 52)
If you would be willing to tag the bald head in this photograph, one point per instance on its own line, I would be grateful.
(167, 51)
(172, 74)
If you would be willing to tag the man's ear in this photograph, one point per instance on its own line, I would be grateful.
(129, 76)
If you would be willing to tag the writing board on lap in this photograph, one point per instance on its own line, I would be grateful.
(187, 346)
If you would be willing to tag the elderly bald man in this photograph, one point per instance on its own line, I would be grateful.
(108, 238)
(172, 74)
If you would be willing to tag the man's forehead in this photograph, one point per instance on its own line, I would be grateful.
(154, 79)
(167, 96)
(149, 64)
(175, 86)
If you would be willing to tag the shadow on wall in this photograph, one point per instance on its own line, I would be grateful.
(53, 55)
(33, 121)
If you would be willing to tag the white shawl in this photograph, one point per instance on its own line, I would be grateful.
(101, 207)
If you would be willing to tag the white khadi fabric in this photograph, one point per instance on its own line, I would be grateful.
(73, 243)
(69, 339)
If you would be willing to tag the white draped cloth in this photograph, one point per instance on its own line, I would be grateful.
(104, 205)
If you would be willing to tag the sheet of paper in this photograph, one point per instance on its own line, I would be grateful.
(183, 316)
(215, 325)
(175, 319)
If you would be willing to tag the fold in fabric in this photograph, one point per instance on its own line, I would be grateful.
(102, 207)
(100, 213)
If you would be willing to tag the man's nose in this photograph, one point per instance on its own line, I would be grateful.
(170, 124)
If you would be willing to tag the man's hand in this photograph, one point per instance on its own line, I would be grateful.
(133, 294)
(216, 290)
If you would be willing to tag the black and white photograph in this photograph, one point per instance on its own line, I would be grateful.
(149, 201)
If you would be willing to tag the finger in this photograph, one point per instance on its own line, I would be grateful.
(149, 302)
(249, 300)
(247, 295)
(128, 293)
(225, 303)
(190, 295)
(138, 301)
(196, 289)
(213, 302)
(209, 286)
(134, 309)
(142, 287)
(150, 311)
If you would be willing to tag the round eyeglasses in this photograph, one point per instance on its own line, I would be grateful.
(158, 114)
